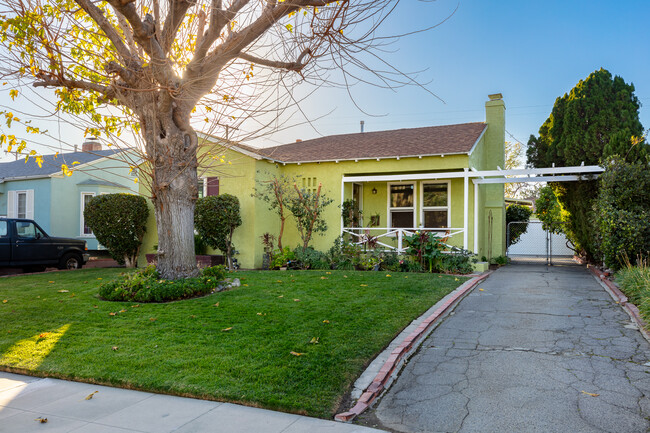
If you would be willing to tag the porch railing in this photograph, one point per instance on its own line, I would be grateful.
(362, 235)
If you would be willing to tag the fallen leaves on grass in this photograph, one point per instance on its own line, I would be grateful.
(122, 310)
(152, 319)
(388, 275)
(50, 282)
(112, 314)
(326, 321)
(296, 300)
(296, 353)
(216, 305)
(363, 285)
(135, 306)
(281, 296)
(323, 278)
(114, 348)
(62, 290)
(227, 329)
(89, 396)
(590, 394)
(314, 340)
(4, 301)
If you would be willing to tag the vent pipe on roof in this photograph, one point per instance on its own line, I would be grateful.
(362, 123)
(298, 140)
(76, 148)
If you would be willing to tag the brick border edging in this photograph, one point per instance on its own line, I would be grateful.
(381, 379)
(631, 309)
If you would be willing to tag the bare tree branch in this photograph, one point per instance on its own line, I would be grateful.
(290, 66)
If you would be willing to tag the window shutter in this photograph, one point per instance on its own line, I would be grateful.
(213, 186)
(29, 205)
(11, 204)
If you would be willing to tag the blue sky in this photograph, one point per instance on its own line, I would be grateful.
(531, 52)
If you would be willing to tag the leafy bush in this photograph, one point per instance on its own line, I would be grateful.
(425, 248)
(634, 281)
(215, 219)
(456, 263)
(119, 222)
(517, 213)
(282, 258)
(146, 286)
(623, 211)
(309, 258)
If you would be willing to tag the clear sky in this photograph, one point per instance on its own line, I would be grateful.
(530, 51)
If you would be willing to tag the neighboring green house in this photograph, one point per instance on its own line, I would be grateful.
(404, 180)
(56, 201)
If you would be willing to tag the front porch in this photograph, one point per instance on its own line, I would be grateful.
(463, 216)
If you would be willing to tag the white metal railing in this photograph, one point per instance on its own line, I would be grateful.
(362, 235)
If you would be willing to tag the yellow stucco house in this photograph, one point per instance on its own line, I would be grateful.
(408, 179)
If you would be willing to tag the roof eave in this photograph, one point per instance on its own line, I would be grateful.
(377, 158)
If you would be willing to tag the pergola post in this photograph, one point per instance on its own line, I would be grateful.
(465, 209)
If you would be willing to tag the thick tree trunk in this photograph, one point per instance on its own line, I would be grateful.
(172, 152)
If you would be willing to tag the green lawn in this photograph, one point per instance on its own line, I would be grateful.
(234, 346)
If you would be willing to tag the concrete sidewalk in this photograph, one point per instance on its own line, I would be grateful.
(24, 399)
(538, 349)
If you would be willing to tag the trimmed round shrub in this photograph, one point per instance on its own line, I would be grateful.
(119, 222)
(215, 220)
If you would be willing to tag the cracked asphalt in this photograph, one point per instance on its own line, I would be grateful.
(539, 349)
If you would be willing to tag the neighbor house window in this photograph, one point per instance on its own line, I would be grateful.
(21, 204)
(85, 199)
(401, 205)
(435, 205)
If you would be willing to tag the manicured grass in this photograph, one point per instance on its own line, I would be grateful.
(234, 346)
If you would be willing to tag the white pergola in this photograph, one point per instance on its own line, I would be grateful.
(550, 174)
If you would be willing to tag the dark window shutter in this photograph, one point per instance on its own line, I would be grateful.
(213, 186)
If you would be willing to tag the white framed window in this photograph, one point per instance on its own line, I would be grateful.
(401, 205)
(435, 205)
(20, 204)
(85, 198)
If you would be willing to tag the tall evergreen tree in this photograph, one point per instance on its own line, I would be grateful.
(598, 118)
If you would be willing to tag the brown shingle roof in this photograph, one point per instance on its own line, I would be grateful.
(434, 140)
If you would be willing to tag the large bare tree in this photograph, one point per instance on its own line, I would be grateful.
(157, 66)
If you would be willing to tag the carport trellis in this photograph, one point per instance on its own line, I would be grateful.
(522, 175)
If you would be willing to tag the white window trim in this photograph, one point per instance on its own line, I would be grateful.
(425, 208)
(81, 215)
(413, 209)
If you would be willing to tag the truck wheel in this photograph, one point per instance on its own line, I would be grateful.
(70, 261)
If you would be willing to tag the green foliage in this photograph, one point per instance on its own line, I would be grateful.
(634, 281)
(456, 263)
(623, 210)
(517, 213)
(119, 222)
(200, 247)
(351, 213)
(309, 258)
(215, 220)
(282, 258)
(597, 119)
(145, 285)
(549, 211)
(277, 192)
(307, 209)
(426, 248)
(500, 260)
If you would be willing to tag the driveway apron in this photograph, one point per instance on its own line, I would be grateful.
(539, 349)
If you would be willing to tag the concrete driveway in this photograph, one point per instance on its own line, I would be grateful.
(537, 350)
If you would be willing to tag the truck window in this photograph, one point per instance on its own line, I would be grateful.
(27, 230)
(3, 229)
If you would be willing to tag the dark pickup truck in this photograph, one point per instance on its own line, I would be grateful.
(23, 244)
